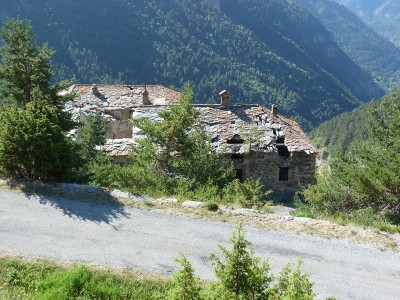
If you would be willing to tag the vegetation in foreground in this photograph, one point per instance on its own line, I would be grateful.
(362, 185)
(240, 275)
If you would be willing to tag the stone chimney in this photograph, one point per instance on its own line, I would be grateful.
(145, 96)
(95, 90)
(224, 97)
(274, 109)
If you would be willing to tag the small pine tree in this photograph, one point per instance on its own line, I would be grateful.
(241, 274)
(91, 134)
(185, 286)
(292, 284)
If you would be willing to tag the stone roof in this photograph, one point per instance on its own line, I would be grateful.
(228, 125)
(118, 147)
(121, 96)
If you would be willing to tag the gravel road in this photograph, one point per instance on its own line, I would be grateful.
(117, 236)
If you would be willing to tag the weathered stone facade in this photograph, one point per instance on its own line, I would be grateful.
(260, 142)
(284, 176)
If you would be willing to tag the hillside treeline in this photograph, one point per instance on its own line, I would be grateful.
(269, 51)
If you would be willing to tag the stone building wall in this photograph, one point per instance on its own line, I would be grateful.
(117, 129)
(271, 169)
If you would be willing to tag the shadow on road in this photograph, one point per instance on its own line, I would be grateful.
(85, 202)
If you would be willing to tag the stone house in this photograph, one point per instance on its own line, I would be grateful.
(259, 141)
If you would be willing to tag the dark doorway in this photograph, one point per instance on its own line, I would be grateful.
(239, 174)
(283, 174)
(237, 156)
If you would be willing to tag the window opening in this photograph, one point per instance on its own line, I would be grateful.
(239, 174)
(235, 139)
(283, 174)
(282, 149)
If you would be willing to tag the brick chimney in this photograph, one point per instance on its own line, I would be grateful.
(145, 96)
(224, 97)
(274, 109)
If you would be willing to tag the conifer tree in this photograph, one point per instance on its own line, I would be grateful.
(241, 274)
(178, 145)
(33, 124)
(185, 286)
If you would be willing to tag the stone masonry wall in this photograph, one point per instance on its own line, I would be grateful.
(266, 166)
(117, 129)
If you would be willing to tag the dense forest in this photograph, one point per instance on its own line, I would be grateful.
(340, 132)
(381, 15)
(372, 51)
(269, 51)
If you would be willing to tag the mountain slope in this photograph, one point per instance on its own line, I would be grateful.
(368, 49)
(382, 15)
(341, 131)
(280, 24)
(171, 42)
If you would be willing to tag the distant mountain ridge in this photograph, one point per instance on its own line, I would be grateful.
(264, 51)
(382, 15)
(373, 52)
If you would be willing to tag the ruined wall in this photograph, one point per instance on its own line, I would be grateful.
(117, 129)
(300, 168)
(118, 124)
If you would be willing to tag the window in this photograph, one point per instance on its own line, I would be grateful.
(235, 139)
(239, 174)
(282, 149)
(283, 174)
(237, 156)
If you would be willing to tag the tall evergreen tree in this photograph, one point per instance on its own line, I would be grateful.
(33, 143)
(178, 145)
(25, 66)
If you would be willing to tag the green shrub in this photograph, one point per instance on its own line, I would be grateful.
(388, 227)
(241, 275)
(212, 206)
(33, 145)
(207, 193)
(249, 193)
(185, 286)
(292, 284)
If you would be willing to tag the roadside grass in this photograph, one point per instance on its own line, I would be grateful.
(389, 228)
(365, 218)
(21, 279)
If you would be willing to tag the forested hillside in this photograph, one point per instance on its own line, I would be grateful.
(344, 129)
(382, 15)
(265, 51)
(372, 51)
